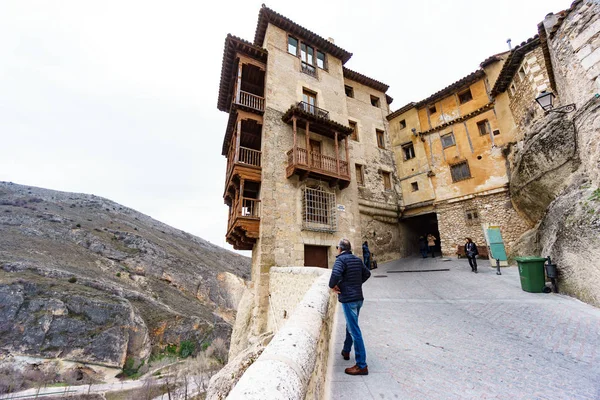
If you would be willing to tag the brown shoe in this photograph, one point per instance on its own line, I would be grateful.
(345, 355)
(357, 371)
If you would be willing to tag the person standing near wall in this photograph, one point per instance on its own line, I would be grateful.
(347, 277)
(423, 246)
(431, 243)
(366, 254)
(471, 252)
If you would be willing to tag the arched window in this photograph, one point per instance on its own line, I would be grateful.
(318, 209)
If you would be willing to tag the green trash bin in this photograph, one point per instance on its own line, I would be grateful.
(531, 271)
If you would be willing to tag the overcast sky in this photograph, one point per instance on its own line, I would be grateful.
(118, 98)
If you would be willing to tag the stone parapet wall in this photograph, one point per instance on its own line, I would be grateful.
(294, 364)
(493, 209)
(287, 287)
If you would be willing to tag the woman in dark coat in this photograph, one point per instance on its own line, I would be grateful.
(471, 252)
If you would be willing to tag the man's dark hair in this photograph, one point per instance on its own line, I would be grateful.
(345, 245)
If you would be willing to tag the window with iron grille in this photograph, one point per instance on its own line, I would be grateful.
(318, 210)
(460, 171)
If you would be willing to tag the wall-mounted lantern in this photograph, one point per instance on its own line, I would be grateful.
(546, 100)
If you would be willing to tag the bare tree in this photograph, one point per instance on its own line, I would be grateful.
(219, 349)
(11, 380)
(149, 390)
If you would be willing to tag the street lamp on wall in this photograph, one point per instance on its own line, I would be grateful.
(546, 100)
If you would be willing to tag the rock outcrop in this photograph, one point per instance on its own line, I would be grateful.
(85, 279)
(555, 171)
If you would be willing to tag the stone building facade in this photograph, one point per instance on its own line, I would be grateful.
(318, 139)
(451, 166)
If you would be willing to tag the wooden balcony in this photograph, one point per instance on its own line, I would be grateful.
(250, 101)
(319, 166)
(244, 223)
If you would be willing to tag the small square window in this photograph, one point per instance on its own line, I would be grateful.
(403, 124)
(522, 74)
(513, 89)
(432, 109)
(360, 177)
(460, 171)
(292, 45)
(496, 132)
(414, 186)
(354, 135)
(465, 96)
(409, 151)
(387, 180)
(349, 90)
(375, 102)
(483, 127)
(448, 140)
(380, 138)
(472, 216)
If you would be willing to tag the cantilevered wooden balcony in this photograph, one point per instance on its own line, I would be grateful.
(243, 159)
(306, 161)
(250, 102)
(319, 166)
(244, 223)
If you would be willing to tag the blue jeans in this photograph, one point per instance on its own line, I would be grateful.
(353, 333)
(367, 261)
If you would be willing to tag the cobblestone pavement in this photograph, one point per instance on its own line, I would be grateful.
(459, 335)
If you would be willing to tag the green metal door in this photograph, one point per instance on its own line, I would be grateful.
(496, 243)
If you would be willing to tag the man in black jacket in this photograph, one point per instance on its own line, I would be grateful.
(347, 277)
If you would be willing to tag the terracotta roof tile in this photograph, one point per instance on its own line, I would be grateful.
(267, 15)
(401, 110)
(512, 63)
(365, 80)
(467, 80)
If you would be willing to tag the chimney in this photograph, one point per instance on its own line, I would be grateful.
(331, 40)
(509, 45)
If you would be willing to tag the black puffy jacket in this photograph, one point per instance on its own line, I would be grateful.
(349, 273)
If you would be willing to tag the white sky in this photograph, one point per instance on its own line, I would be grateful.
(118, 98)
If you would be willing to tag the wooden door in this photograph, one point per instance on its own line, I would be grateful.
(315, 153)
(316, 256)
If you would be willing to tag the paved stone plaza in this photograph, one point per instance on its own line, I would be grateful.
(459, 335)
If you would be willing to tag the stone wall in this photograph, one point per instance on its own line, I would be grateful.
(529, 81)
(493, 209)
(294, 364)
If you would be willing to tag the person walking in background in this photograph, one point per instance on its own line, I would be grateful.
(423, 246)
(347, 277)
(431, 243)
(366, 254)
(471, 252)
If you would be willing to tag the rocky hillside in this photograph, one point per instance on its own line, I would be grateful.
(85, 279)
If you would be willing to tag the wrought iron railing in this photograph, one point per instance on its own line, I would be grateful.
(251, 100)
(308, 69)
(312, 109)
